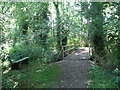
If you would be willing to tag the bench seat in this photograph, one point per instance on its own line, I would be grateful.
(20, 60)
(17, 59)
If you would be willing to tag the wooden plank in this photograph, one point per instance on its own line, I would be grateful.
(20, 60)
(67, 45)
(69, 49)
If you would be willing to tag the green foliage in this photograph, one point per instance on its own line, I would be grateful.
(39, 30)
(34, 75)
(101, 79)
(111, 61)
(34, 51)
(103, 30)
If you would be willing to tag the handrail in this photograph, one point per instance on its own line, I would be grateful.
(68, 49)
(63, 51)
(67, 45)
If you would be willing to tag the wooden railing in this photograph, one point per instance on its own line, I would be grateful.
(67, 48)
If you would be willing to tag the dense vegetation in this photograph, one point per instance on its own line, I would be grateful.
(41, 29)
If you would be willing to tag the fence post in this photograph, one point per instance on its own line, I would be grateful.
(63, 52)
(68, 49)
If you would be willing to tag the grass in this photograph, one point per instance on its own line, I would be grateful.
(33, 75)
(101, 79)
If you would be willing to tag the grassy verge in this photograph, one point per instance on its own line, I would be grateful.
(101, 79)
(33, 75)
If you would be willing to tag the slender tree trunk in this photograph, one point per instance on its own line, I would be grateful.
(58, 27)
(118, 44)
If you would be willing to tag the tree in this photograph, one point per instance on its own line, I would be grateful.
(56, 4)
(96, 25)
(118, 29)
(39, 22)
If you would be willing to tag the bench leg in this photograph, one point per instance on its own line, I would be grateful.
(15, 66)
(25, 61)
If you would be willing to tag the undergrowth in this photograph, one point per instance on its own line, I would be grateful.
(33, 75)
(101, 79)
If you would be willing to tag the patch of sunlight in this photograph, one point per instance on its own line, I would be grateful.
(6, 63)
(76, 53)
(84, 51)
(0, 62)
(7, 48)
(89, 82)
(6, 71)
(16, 84)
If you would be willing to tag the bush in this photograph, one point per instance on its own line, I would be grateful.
(34, 51)
(111, 61)
(102, 79)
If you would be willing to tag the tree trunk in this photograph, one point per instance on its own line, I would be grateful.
(58, 27)
(97, 22)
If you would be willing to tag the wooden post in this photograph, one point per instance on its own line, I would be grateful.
(68, 49)
(89, 51)
(15, 66)
(62, 52)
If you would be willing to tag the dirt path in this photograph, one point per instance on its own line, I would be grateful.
(74, 70)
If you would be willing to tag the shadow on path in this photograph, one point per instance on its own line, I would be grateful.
(74, 70)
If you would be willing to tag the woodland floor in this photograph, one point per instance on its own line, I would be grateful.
(72, 72)
(75, 69)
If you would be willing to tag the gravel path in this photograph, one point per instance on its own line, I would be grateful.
(74, 70)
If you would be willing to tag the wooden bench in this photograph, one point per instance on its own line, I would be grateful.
(17, 59)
